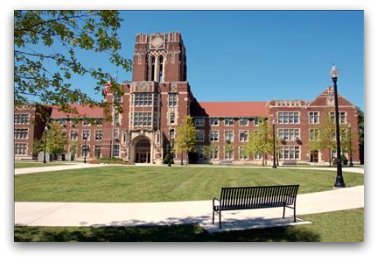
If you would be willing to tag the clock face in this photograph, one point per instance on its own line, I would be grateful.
(157, 42)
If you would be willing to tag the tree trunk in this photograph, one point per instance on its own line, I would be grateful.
(182, 157)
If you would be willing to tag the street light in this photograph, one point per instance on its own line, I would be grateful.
(339, 177)
(350, 146)
(44, 149)
(85, 149)
(274, 144)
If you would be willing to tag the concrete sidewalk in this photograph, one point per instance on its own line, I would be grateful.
(29, 170)
(168, 213)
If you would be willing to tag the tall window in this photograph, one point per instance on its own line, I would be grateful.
(243, 136)
(199, 121)
(242, 153)
(243, 121)
(74, 135)
(229, 136)
(214, 136)
(314, 134)
(289, 152)
(214, 153)
(115, 150)
(21, 118)
(172, 99)
(142, 119)
(142, 99)
(313, 117)
(200, 137)
(21, 133)
(172, 117)
(229, 121)
(161, 75)
(214, 121)
(342, 117)
(97, 151)
(86, 135)
(290, 134)
(288, 117)
(98, 135)
(20, 149)
(228, 154)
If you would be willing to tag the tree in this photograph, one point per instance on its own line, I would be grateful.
(260, 140)
(324, 138)
(208, 150)
(55, 137)
(46, 45)
(185, 140)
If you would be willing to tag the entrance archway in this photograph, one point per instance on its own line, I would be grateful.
(314, 156)
(142, 151)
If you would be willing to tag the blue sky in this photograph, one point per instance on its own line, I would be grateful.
(257, 55)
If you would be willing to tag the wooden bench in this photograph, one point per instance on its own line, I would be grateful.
(225, 162)
(238, 198)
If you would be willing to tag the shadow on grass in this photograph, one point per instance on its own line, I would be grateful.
(172, 233)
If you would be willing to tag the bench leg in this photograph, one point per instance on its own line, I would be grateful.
(283, 215)
(220, 221)
(213, 216)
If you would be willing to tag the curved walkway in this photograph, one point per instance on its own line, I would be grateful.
(182, 212)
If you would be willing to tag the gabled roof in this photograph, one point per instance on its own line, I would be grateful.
(233, 109)
(321, 100)
(82, 111)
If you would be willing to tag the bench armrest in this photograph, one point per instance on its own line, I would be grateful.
(214, 200)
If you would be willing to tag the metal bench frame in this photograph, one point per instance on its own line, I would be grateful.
(238, 198)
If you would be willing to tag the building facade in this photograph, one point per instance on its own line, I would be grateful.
(159, 98)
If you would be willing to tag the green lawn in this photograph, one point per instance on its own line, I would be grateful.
(143, 184)
(340, 226)
(29, 164)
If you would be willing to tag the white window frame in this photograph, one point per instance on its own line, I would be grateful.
(311, 117)
(230, 121)
(213, 120)
(89, 134)
(199, 121)
(289, 117)
(203, 135)
(243, 132)
(225, 135)
(211, 136)
(244, 118)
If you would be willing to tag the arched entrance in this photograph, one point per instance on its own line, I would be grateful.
(314, 156)
(142, 151)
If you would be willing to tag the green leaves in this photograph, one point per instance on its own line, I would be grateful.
(47, 44)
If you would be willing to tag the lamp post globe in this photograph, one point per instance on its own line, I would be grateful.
(339, 183)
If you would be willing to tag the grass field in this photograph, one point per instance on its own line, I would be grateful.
(29, 164)
(147, 184)
(326, 227)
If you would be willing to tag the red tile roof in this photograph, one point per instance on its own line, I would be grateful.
(83, 111)
(235, 109)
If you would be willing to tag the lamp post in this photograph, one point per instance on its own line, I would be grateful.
(350, 146)
(339, 177)
(44, 148)
(85, 149)
(274, 144)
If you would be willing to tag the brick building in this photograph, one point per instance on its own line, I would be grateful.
(158, 99)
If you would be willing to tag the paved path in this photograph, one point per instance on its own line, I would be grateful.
(56, 168)
(166, 213)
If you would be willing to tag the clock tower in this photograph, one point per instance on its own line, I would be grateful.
(159, 57)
